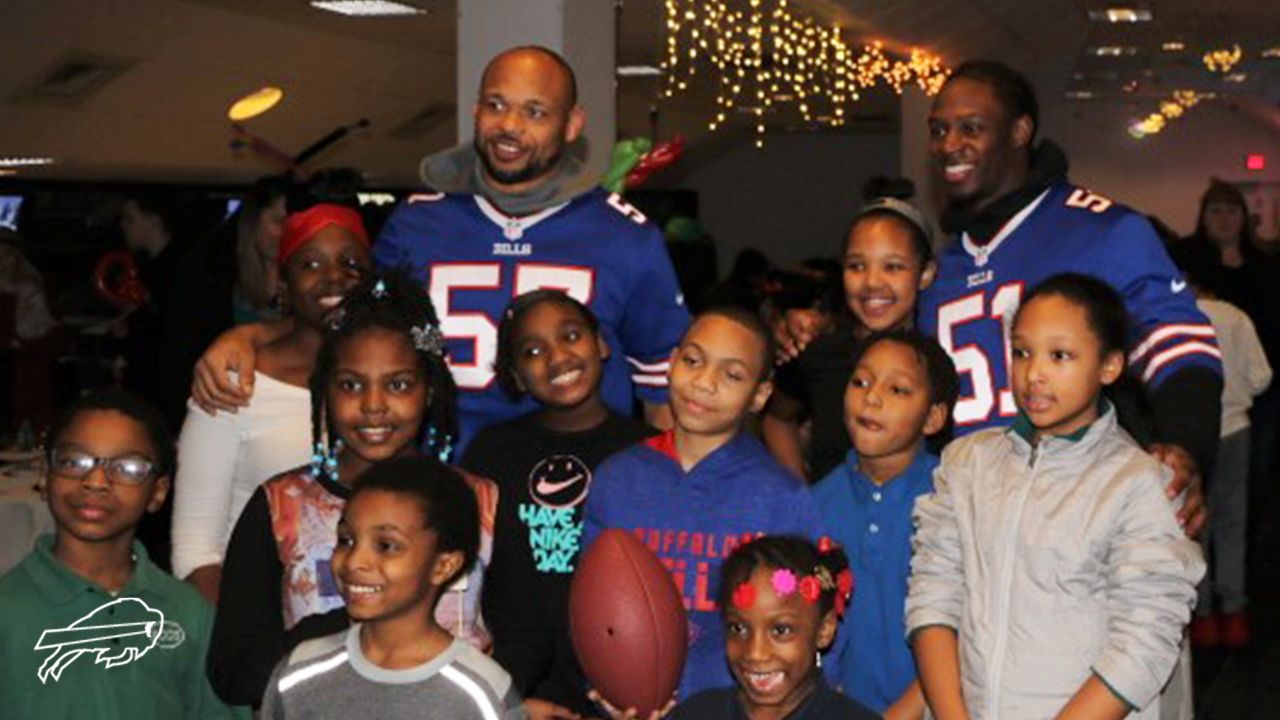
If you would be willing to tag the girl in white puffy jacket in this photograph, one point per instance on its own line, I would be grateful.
(1050, 576)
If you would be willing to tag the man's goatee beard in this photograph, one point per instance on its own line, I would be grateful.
(531, 171)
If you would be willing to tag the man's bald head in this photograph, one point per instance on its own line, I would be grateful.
(551, 60)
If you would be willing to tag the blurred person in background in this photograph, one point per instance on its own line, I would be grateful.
(258, 224)
(187, 290)
(747, 283)
(26, 342)
(1234, 267)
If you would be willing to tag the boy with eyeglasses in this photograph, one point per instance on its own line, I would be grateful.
(91, 627)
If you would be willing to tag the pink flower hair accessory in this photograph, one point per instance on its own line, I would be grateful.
(784, 582)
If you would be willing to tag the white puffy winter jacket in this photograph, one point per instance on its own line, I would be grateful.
(1052, 563)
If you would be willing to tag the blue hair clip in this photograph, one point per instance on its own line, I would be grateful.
(326, 463)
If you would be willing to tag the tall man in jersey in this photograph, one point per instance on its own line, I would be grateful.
(1015, 221)
(510, 212)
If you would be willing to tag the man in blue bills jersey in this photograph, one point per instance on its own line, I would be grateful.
(511, 212)
(1015, 220)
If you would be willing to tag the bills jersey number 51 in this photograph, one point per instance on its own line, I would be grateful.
(970, 329)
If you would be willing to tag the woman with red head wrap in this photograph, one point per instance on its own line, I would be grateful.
(323, 252)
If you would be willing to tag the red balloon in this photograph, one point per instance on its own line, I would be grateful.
(117, 280)
(662, 155)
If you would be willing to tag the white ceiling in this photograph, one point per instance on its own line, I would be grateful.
(178, 64)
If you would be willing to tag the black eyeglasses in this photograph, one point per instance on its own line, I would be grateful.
(122, 470)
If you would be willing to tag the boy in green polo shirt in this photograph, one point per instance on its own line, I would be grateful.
(89, 626)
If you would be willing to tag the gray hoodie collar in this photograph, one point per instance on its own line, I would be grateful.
(458, 171)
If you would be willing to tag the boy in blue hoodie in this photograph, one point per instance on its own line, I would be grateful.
(902, 390)
(695, 492)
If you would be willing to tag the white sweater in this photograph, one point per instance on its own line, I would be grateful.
(223, 458)
(1245, 371)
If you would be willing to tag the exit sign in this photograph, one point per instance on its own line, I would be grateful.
(1255, 162)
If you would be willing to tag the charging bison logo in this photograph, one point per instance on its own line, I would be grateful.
(117, 633)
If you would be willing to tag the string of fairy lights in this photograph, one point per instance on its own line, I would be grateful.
(762, 55)
(1220, 61)
(1171, 108)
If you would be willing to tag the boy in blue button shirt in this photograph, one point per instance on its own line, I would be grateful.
(92, 627)
(902, 390)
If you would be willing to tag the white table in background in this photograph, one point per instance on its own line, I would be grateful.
(24, 516)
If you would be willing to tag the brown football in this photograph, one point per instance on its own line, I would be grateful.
(628, 623)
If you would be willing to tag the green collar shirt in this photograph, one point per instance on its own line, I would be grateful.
(134, 655)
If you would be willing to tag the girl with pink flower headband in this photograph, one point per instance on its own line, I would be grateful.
(782, 598)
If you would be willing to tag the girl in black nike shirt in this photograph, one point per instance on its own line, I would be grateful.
(549, 347)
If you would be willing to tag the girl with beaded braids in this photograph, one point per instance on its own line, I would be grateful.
(390, 304)
(380, 390)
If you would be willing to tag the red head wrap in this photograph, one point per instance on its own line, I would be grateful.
(302, 226)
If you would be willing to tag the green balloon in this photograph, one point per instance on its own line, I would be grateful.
(683, 228)
(626, 153)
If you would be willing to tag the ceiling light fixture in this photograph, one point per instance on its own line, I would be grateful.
(1079, 94)
(1236, 77)
(24, 161)
(1173, 46)
(1114, 50)
(1120, 15)
(368, 8)
(376, 198)
(1271, 53)
(255, 103)
(638, 71)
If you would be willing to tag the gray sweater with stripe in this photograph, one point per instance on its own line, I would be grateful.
(330, 677)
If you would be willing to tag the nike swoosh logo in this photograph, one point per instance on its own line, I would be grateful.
(1177, 286)
(546, 487)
